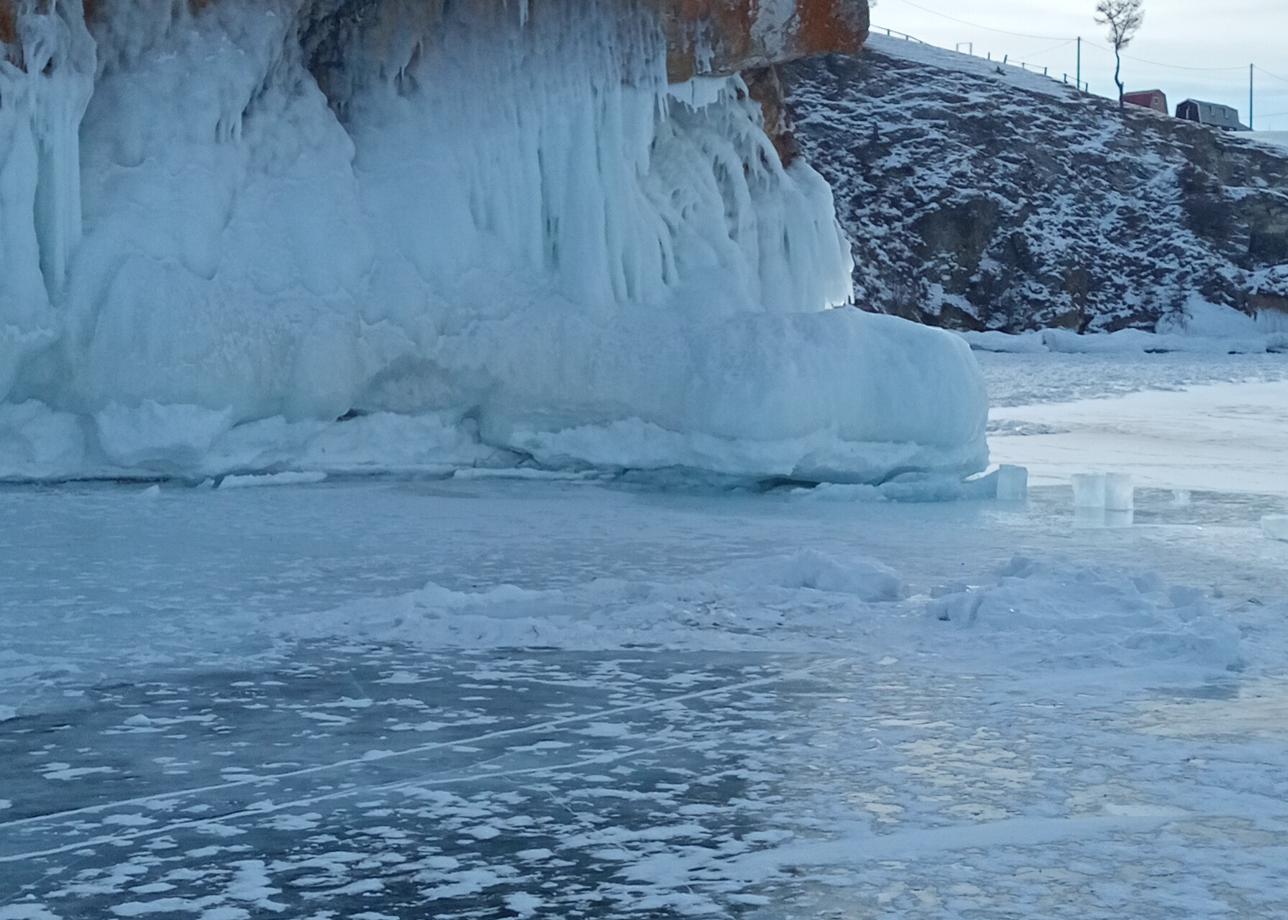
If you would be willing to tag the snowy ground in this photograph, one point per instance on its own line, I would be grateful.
(1278, 138)
(1215, 424)
(497, 698)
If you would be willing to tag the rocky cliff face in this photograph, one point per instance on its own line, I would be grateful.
(981, 200)
(728, 36)
(703, 36)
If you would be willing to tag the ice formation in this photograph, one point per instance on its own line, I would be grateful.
(507, 240)
(1012, 483)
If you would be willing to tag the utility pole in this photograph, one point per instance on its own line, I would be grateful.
(1078, 81)
(1252, 75)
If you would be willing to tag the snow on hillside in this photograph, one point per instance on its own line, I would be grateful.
(475, 245)
(994, 71)
(983, 197)
(1276, 138)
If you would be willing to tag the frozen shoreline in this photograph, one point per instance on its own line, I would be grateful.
(549, 693)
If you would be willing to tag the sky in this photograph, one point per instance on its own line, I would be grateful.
(1187, 48)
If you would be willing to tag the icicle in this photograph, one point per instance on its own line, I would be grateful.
(59, 58)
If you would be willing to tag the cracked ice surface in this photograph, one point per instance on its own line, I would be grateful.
(490, 698)
(595, 785)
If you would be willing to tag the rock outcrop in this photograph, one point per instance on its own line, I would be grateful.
(704, 36)
(728, 36)
(982, 199)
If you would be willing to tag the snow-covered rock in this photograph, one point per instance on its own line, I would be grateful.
(981, 197)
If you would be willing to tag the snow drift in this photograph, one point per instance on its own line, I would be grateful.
(496, 231)
(1061, 618)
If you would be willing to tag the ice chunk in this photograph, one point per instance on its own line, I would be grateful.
(1120, 494)
(39, 443)
(1275, 526)
(1012, 483)
(159, 436)
(1089, 490)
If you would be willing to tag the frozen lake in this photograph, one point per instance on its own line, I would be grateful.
(491, 698)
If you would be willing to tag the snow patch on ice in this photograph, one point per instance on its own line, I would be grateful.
(27, 912)
(1259, 339)
(255, 481)
(1073, 617)
(1044, 616)
(865, 579)
(742, 605)
(1200, 327)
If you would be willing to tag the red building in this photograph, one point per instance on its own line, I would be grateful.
(1154, 99)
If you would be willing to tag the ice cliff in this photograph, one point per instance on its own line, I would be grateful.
(386, 234)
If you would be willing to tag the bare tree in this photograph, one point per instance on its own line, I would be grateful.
(1124, 18)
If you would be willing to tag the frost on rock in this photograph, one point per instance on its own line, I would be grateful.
(280, 214)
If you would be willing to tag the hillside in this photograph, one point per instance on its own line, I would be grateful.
(981, 197)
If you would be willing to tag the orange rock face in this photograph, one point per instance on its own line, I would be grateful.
(8, 23)
(728, 36)
(705, 36)
(716, 37)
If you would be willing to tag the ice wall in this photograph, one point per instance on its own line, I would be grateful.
(271, 215)
(41, 106)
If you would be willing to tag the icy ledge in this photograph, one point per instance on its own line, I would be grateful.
(481, 246)
(833, 396)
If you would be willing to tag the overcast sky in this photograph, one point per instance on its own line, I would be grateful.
(1180, 33)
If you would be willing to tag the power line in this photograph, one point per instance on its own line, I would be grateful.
(976, 25)
(1269, 74)
(1063, 44)
(1069, 41)
(1140, 60)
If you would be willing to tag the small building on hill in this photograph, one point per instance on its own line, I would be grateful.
(1211, 113)
(1154, 99)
